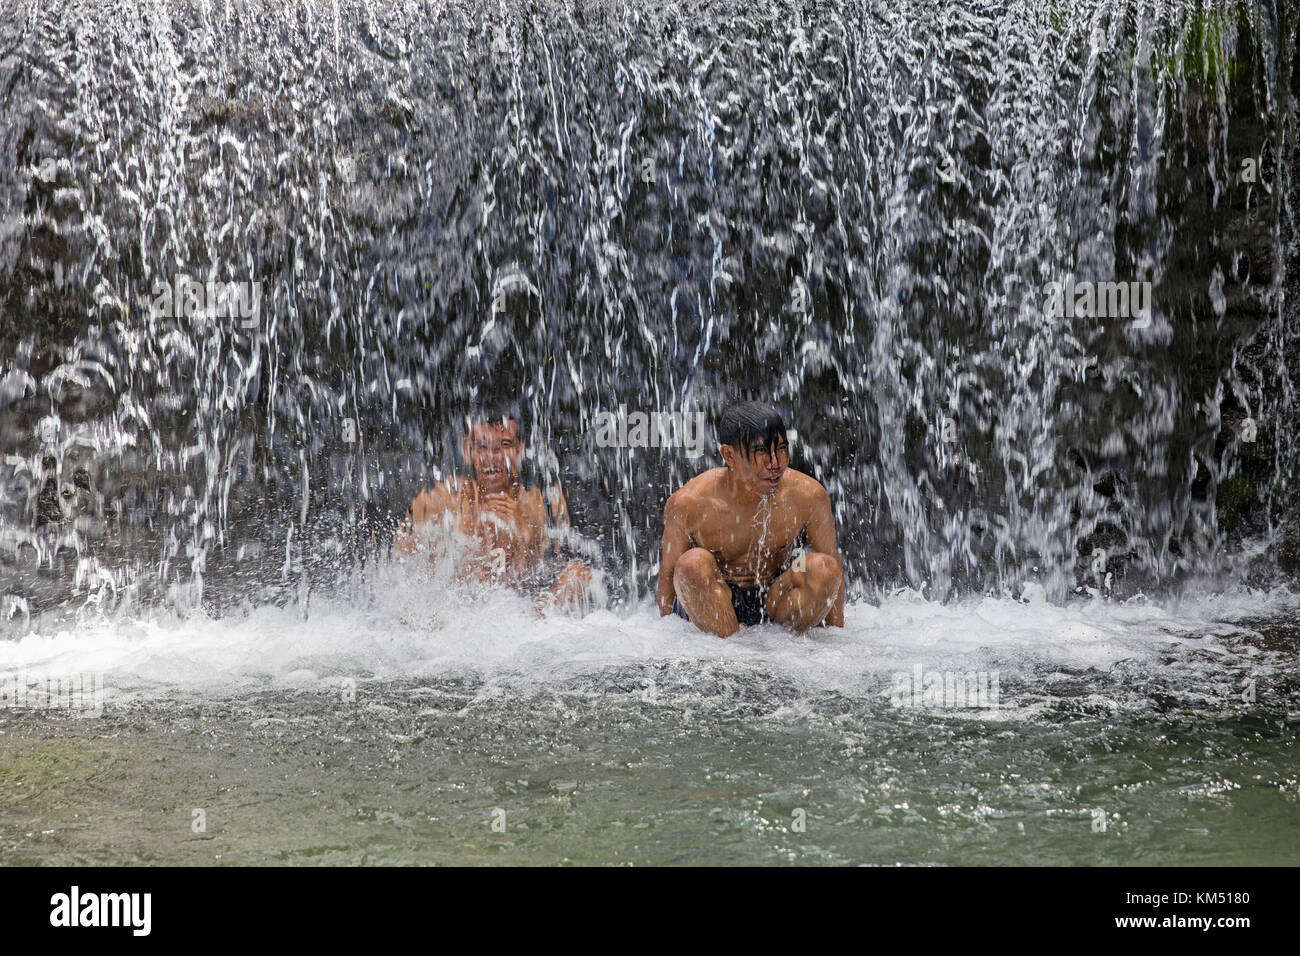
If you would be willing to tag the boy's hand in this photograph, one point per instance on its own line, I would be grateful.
(501, 513)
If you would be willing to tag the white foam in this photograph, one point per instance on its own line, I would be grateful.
(406, 629)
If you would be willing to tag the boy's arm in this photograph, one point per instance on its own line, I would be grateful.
(535, 538)
(821, 538)
(404, 540)
(676, 543)
(427, 506)
(559, 514)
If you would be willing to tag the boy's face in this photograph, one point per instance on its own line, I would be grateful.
(759, 470)
(494, 451)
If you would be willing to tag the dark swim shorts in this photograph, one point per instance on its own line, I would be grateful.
(747, 602)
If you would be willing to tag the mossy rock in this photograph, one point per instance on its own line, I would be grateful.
(1206, 60)
(1233, 499)
(1205, 56)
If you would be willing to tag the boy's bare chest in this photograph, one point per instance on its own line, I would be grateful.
(738, 536)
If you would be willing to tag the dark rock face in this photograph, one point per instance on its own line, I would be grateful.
(255, 269)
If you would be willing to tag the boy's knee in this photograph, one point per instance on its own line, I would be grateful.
(823, 571)
(576, 571)
(694, 568)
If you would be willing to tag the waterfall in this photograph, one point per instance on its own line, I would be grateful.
(256, 259)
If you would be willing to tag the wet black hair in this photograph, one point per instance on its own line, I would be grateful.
(496, 412)
(742, 422)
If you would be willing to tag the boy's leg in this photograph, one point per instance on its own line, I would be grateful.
(802, 596)
(570, 590)
(704, 594)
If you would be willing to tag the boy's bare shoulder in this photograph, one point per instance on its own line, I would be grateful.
(432, 502)
(805, 488)
(695, 495)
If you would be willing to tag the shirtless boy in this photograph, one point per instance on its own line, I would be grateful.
(729, 534)
(501, 523)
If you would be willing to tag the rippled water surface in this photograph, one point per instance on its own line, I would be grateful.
(358, 738)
